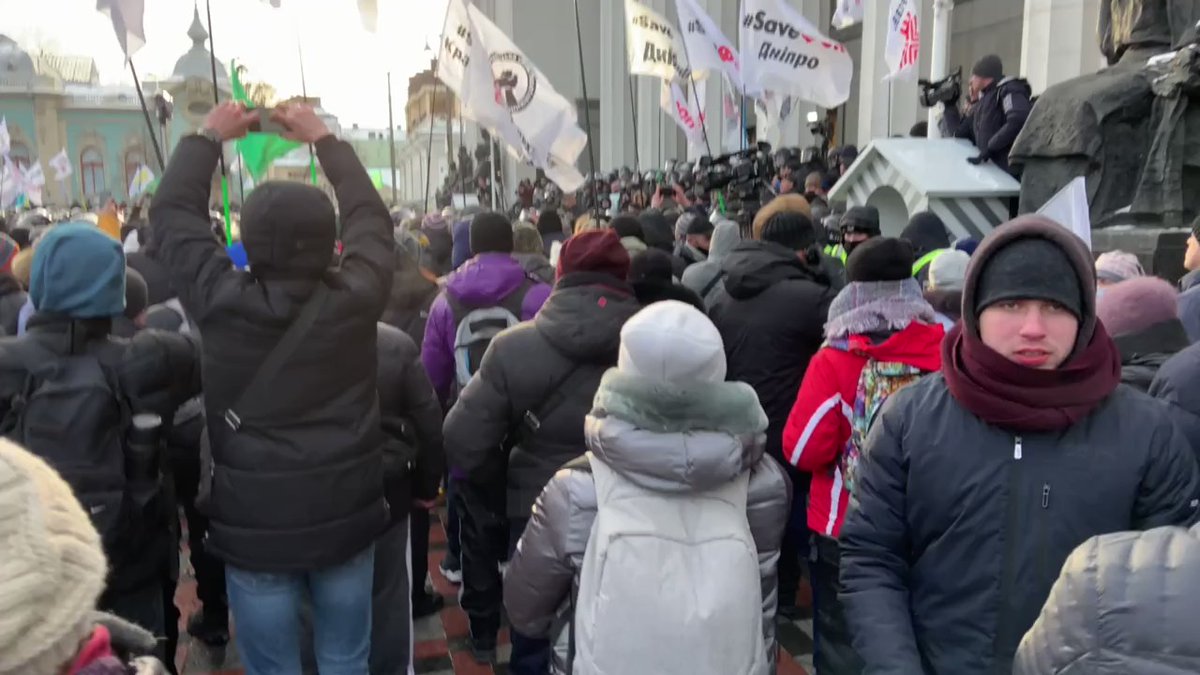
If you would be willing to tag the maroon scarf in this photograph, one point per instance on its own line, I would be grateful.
(1023, 399)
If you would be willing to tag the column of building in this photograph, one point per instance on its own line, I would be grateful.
(1058, 41)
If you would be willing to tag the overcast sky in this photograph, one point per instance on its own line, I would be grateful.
(344, 64)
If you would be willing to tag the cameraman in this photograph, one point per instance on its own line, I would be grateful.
(998, 108)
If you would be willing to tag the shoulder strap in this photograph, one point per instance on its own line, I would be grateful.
(283, 349)
(712, 283)
(531, 422)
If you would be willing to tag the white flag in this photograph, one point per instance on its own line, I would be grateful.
(501, 89)
(707, 46)
(903, 47)
(782, 52)
(126, 16)
(11, 183)
(368, 11)
(654, 46)
(848, 13)
(682, 108)
(5, 139)
(1069, 208)
(141, 180)
(33, 177)
(61, 165)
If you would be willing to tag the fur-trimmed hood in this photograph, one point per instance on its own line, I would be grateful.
(676, 437)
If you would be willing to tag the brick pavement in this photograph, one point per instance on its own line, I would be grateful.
(441, 647)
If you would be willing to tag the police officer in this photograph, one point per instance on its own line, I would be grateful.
(998, 109)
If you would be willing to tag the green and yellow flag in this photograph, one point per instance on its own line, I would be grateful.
(258, 149)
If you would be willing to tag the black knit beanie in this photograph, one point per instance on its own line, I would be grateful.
(880, 259)
(989, 67)
(926, 232)
(627, 226)
(791, 229)
(491, 233)
(1029, 269)
(861, 219)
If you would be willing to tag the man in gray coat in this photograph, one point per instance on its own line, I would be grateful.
(975, 484)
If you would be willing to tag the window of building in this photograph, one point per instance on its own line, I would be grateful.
(134, 158)
(91, 172)
(19, 154)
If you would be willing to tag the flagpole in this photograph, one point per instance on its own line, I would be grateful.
(462, 175)
(162, 166)
(212, 57)
(637, 163)
(429, 150)
(392, 138)
(587, 112)
(312, 164)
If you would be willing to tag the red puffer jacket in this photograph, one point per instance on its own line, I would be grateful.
(819, 425)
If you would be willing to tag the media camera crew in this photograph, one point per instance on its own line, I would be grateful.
(997, 109)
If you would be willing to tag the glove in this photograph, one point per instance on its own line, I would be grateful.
(981, 158)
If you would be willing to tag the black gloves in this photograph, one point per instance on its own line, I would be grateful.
(981, 158)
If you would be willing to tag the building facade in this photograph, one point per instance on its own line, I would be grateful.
(1045, 41)
(54, 102)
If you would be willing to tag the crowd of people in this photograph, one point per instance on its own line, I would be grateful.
(648, 428)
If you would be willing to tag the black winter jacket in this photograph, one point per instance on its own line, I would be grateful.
(412, 419)
(408, 305)
(995, 120)
(1175, 385)
(772, 322)
(300, 486)
(958, 529)
(1142, 354)
(157, 371)
(569, 345)
(12, 299)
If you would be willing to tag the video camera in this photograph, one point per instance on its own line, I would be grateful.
(946, 90)
(744, 177)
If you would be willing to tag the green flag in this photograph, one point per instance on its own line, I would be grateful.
(258, 150)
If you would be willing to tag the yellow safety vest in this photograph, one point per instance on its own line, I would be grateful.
(925, 260)
(836, 251)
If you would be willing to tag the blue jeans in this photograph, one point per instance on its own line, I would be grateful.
(266, 611)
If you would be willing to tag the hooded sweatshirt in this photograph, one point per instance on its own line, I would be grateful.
(771, 323)
(484, 281)
(706, 278)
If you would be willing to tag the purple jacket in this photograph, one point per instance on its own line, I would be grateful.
(484, 280)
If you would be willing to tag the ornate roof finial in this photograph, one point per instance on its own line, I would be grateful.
(197, 32)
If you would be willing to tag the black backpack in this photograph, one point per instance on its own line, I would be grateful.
(73, 414)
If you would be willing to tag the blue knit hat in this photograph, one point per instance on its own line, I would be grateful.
(78, 271)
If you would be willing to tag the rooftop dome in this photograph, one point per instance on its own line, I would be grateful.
(16, 66)
(196, 62)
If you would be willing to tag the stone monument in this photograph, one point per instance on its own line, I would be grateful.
(1129, 129)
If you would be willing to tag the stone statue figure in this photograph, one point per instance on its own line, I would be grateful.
(1104, 126)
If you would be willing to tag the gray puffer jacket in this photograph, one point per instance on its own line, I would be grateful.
(1125, 603)
(711, 433)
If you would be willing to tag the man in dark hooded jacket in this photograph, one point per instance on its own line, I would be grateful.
(530, 396)
(771, 320)
(295, 486)
(929, 238)
(975, 484)
(999, 107)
